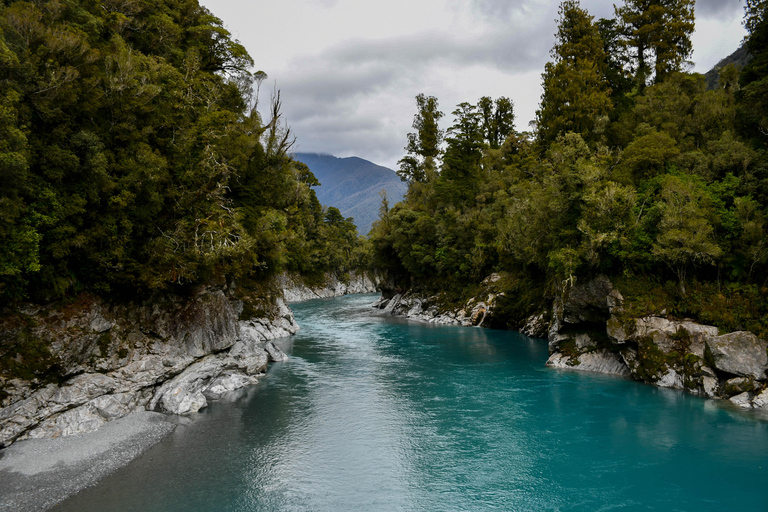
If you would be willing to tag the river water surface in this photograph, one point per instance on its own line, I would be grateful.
(376, 413)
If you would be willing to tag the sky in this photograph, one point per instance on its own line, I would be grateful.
(348, 71)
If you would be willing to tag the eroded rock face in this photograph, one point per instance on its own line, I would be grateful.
(600, 361)
(166, 355)
(294, 290)
(659, 350)
(414, 306)
(739, 353)
(537, 325)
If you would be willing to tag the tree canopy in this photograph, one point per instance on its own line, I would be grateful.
(132, 156)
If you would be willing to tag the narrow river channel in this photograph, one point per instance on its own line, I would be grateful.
(376, 413)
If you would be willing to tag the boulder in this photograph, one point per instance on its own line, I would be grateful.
(743, 400)
(227, 382)
(184, 393)
(761, 400)
(537, 325)
(600, 361)
(739, 353)
(670, 379)
(275, 354)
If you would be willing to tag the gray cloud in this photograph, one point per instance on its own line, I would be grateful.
(354, 95)
(716, 8)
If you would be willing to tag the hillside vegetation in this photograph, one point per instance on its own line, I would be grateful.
(133, 158)
(634, 170)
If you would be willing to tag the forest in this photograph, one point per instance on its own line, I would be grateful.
(134, 160)
(634, 169)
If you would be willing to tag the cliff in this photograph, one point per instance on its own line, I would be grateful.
(295, 289)
(67, 370)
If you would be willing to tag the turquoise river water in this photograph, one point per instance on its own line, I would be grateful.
(376, 413)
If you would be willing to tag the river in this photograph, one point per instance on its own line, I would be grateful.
(377, 413)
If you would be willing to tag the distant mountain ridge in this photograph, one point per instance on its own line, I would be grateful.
(739, 58)
(353, 185)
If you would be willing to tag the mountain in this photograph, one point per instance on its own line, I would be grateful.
(739, 58)
(353, 185)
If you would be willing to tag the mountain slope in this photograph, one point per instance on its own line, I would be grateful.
(353, 185)
(739, 58)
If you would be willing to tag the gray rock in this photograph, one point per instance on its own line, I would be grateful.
(537, 325)
(227, 382)
(743, 400)
(22, 416)
(249, 357)
(600, 361)
(710, 386)
(275, 354)
(739, 353)
(206, 324)
(668, 335)
(119, 358)
(294, 290)
(670, 379)
(761, 400)
(184, 393)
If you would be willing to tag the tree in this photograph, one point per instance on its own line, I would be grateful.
(752, 98)
(685, 232)
(498, 119)
(459, 175)
(659, 34)
(576, 94)
(423, 148)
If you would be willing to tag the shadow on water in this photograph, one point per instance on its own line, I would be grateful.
(373, 413)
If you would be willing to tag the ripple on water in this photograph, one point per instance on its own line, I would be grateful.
(373, 414)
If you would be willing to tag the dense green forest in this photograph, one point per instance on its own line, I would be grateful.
(634, 169)
(133, 157)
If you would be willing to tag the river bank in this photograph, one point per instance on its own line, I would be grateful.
(591, 327)
(40, 473)
(118, 363)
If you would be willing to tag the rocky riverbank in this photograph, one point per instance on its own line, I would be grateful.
(295, 288)
(588, 329)
(91, 362)
(70, 369)
(431, 309)
(591, 331)
(99, 368)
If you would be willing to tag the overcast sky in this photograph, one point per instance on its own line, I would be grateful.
(349, 70)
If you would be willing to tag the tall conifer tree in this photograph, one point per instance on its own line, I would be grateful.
(576, 93)
(659, 34)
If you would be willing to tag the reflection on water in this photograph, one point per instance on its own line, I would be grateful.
(375, 413)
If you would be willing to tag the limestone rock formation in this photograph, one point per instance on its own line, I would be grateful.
(590, 331)
(94, 362)
(294, 289)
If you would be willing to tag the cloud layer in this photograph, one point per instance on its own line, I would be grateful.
(349, 69)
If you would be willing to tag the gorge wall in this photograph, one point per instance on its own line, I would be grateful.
(588, 329)
(69, 369)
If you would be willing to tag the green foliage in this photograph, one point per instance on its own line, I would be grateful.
(658, 32)
(423, 146)
(132, 157)
(685, 232)
(674, 211)
(577, 96)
